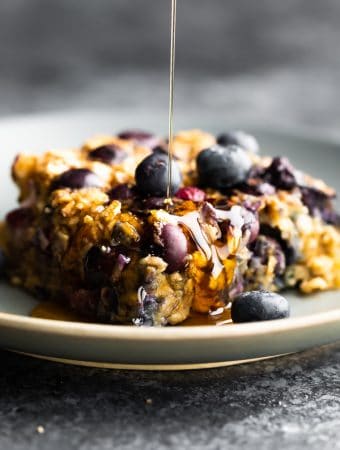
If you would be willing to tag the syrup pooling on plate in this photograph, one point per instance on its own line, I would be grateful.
(54, 311)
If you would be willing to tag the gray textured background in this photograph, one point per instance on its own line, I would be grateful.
(268, 60)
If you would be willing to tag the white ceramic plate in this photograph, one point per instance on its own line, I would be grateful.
(314, 320)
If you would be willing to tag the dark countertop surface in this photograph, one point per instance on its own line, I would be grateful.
(288, 402)
(272, 61)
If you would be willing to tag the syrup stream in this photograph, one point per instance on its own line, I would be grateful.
(171, 93)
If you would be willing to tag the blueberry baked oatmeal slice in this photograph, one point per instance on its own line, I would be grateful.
(95, 231)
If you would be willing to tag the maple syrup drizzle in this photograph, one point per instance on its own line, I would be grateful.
(54, 311)
(171, 93)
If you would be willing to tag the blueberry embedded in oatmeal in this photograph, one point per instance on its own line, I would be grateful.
(175, 247)
(109, 154)
(140, 137)
(95, 231)
(76, 179)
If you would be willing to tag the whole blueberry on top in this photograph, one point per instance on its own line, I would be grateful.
(108, 154)
(160, 149)
(222, 167)
(255, 306)
(152, 176)
(240, 138)
(163, 149)
(77, 179)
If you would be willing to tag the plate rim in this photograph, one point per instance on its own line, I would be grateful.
(152, 367)
(184, 333)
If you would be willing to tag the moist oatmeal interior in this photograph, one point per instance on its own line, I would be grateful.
(117, 256)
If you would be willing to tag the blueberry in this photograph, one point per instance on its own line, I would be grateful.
(331, 217)
(160, 149)
(108, 154)
(223, 167)
(98, 265)
(147, 308)
(255, 306)
(20, 218)
(122, 192)
(77, 179)
(314, 199)
(152, 176)
(263, 248)
(140, 137)
(163, 149)
(257, 187)
(264, 189)
(290, 253)
(175, 247)
(320, 204)
(281, 174)
(154, 203)
(240, 138)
